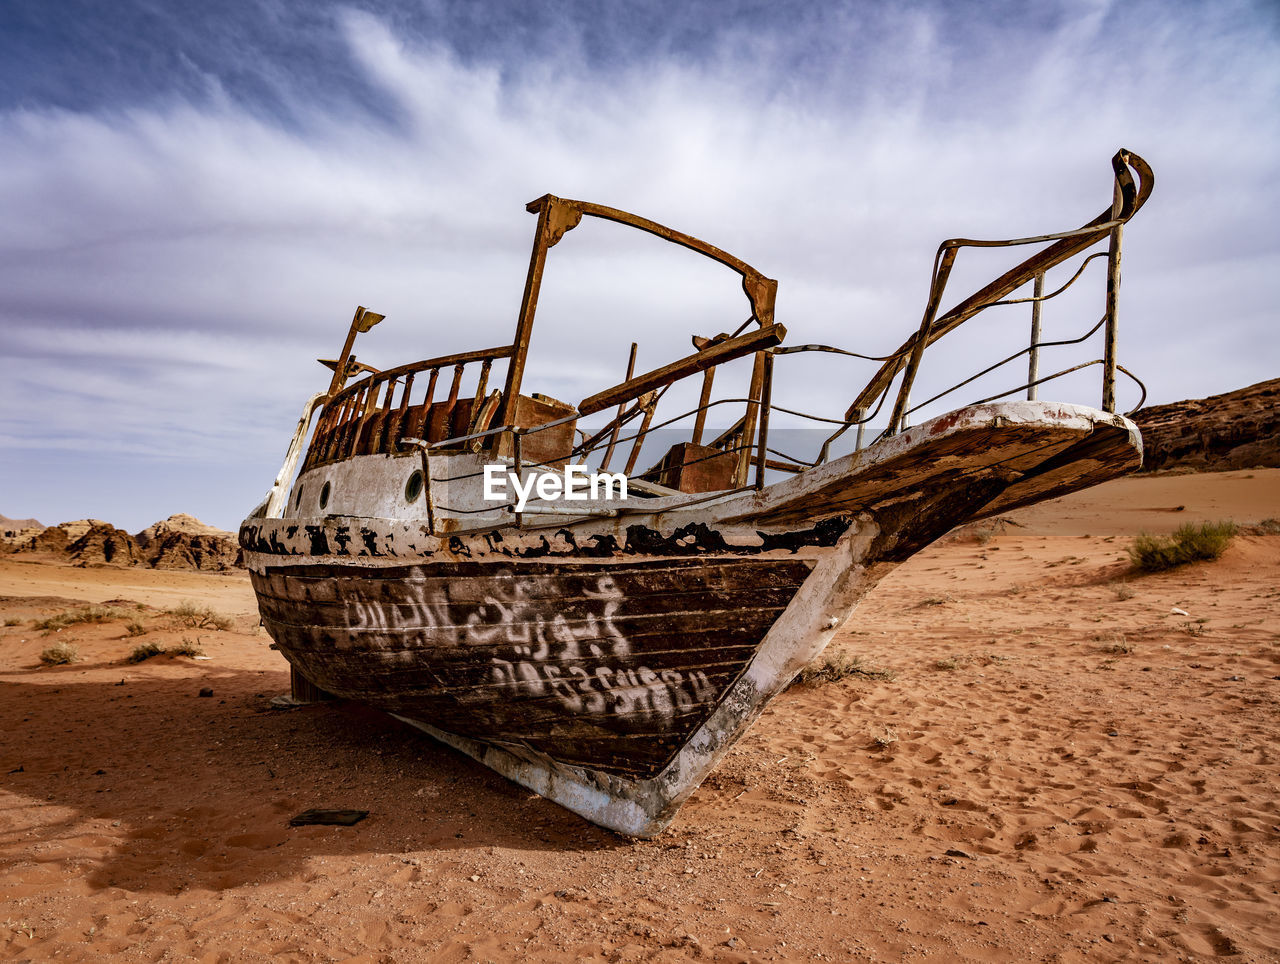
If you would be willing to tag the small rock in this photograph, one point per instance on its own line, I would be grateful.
(959, 853)
(1235, 679)
(1175, 611)
(474, 878)
(206, 692)
(1113, 732)
(1107, 937)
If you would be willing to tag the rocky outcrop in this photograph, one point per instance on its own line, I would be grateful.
(55, 539)
(104, 544)
(179, 542)
(1237, 430)
(182, 523)
(184, 542)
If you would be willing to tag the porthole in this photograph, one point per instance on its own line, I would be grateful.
(297, 503)
(324, 495)
(413, 488)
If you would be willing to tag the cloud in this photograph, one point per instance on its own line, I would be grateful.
(171, 268)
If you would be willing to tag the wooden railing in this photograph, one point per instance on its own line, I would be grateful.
(370, 416)
(1128, 196)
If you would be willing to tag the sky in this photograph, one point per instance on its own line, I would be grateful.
(196, 196)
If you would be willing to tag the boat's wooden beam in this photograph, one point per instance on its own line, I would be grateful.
(766, 337)
(429, 364)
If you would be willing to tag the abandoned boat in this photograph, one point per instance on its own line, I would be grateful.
(607, 651)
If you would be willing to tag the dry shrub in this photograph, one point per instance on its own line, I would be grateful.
(1188, 544)
(87, 614)
(59, 654)
(135, 629)
(1117, 645)
(186, 648)
(143, 653)
(833, 666)
(199, 617)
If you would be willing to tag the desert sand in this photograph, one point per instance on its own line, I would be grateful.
(1047, 758)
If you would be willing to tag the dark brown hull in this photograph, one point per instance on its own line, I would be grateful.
(610, 666)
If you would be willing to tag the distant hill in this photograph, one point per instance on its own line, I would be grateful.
(9, 528)
(1235, 430)
(179, 542)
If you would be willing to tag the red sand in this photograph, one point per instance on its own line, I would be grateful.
(1062, 768)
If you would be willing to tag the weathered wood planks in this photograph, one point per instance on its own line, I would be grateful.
(606, 666)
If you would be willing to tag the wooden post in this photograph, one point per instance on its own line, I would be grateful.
(700, 421)
(340, 369)
(613, 439)
(555, 217)
(896, 420)
(650, 406)
(750, 419)
(431, 389)
(860, 414)
(427, 497)
(1033, 358)
(515, 452)
(1109, 360)
(766, 394)
(364, 320)
(483, 383)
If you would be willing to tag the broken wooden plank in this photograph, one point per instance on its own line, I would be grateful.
(328, 818)
(766, 337)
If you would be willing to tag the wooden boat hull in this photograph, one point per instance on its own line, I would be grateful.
(609, 664)
(611, 687)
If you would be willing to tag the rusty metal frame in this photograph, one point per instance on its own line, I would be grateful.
(1128, 198)
(350, 408)
(556, 216)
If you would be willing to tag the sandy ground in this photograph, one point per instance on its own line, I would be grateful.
(1069, 763)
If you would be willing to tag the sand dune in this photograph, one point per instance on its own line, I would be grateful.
(1070, 762)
